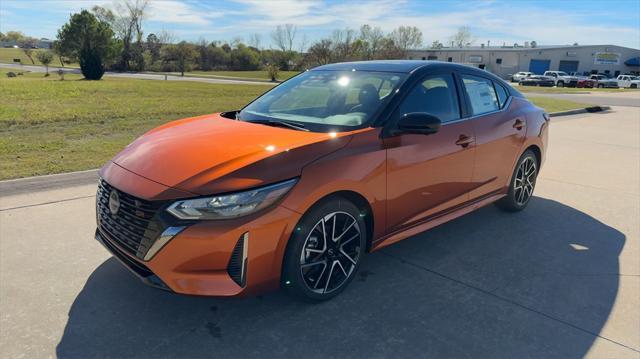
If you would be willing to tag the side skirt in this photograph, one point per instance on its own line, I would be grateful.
(436, 220)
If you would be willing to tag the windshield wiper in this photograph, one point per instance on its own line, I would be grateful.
(290, 124)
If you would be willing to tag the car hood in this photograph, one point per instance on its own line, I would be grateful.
(212, 154)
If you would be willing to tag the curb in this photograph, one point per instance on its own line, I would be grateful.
(42, 183)
(580, 110)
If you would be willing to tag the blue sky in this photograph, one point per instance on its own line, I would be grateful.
(547, 22)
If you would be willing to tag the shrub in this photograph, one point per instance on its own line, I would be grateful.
(11, 74)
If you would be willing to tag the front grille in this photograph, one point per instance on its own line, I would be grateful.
(134, 227)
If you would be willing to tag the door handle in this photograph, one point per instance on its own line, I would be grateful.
(518, 125)
(464, 141)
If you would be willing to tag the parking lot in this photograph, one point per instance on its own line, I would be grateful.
(561, 279)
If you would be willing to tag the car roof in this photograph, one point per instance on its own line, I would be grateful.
(403, 66)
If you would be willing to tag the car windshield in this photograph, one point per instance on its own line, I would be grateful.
(562, 73)
(325, 101)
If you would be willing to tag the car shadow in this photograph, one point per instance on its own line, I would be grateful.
(490, 284)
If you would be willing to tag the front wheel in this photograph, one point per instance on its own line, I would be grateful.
(523, 182)
(560, 84)
(325, 251)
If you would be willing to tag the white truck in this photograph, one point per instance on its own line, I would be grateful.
(628, 81)
(562, 78)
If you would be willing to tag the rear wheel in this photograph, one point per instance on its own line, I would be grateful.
(325, 251)
(600, 86)
(560, 84)
(634, 86)
(523, 182)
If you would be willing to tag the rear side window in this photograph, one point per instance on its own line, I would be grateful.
(481, 94)
(435, 95)
(502, 94)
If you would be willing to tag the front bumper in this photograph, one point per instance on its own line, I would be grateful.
(198, 261)
(204, 257)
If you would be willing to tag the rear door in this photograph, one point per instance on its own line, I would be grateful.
(499, 133)
(429, 174)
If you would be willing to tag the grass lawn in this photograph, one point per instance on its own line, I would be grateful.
(51, 126)
(554, 105)
(573, 90)
(8, 54)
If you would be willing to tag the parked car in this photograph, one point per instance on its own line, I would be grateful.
(602, 81)
(293, 189)
(538, 80)
(519, 76)
(562, 78)
(628, 81)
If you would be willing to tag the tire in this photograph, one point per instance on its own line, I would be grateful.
(560, 84)
(634, 86)
(519, 195)
(318, 264)
(601, 86)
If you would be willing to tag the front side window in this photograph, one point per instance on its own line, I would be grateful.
(436, 95)
(481, 94)
(324, 101)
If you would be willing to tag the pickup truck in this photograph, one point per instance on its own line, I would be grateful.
(628, 81)
(562, 78)
(603, 81)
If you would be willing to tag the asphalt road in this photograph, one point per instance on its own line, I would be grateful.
(560, 279)
(140, 76)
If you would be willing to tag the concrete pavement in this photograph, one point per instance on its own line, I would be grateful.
(596, 97)
(139, 76)
(560, 279)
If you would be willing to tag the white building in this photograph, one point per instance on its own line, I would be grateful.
(503, 61)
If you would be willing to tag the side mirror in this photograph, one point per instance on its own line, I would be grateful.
(418, 123)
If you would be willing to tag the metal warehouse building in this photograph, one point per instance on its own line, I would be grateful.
(503, 61)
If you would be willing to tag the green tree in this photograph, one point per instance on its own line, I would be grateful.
(244, 58)
(406, 37)
(45, 57)
(181, 55)
(14, 36)
(88, 40)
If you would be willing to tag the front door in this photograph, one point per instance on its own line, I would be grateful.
(427, 174)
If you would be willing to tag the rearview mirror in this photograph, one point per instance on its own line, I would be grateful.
(418, 123)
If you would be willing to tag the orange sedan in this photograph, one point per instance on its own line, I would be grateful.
(292, 190)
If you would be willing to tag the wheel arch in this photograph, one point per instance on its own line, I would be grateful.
(536, 151)
(359, 201)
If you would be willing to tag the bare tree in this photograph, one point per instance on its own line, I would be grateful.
(406, 37)
(254, 40)
(302, 44)
(321, 52)
(126, 22)
(166, 37)
(343, 44)
(27, 44)
(463, 37)
(372, 41)
(284, 37)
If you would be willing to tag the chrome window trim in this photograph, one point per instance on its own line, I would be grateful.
(503, 109)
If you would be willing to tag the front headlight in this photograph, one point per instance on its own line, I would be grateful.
(230, 205)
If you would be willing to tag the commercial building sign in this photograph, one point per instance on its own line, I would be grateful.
(475, 59)
(606, 58)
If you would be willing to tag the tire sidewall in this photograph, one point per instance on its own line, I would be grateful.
(292, 280)
(512, 193)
